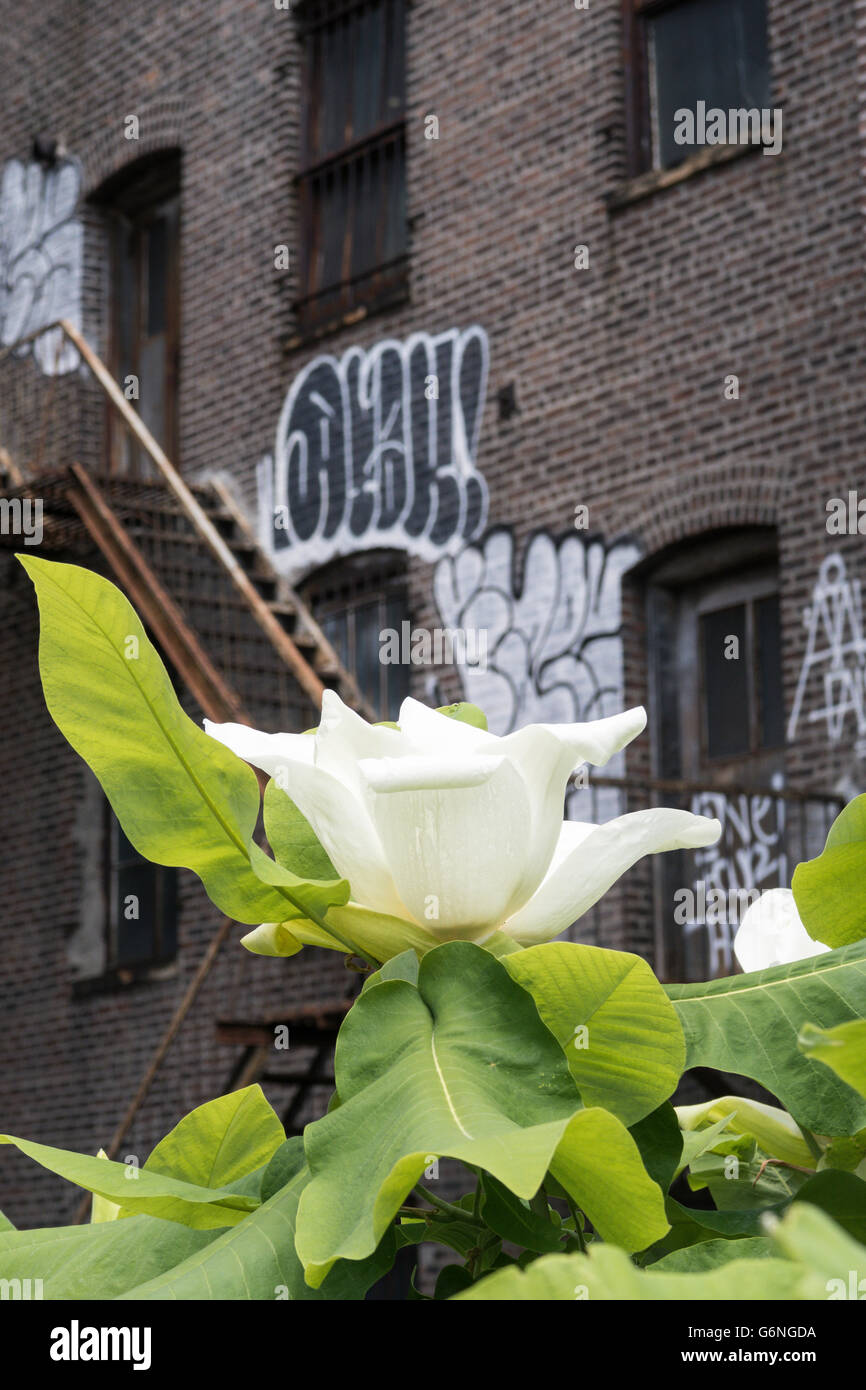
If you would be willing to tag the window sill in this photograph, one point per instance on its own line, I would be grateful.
(656, 180)
(314, 325)
(122, 977)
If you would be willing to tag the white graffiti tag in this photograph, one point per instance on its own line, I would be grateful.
(377, 448)
(40, 259)
(835, 653)
(750, 853)
(554, 645)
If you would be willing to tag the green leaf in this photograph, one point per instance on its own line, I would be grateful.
(257, 1260)
(452, 1279)
(660, 1144)
(461, 1065)
(5, 1223)
(842, 1196)
(631, 1054)
(607, 1275)
(220, 1142)
(711, 1254)
(842, 1048)
(285, 1164)
(809, 1235)
(181, 797)
(466, 713)
(748, 1024)
(140, 1190)
(513, 1219)
(292, 838)
(97, 1261)
(828, 890)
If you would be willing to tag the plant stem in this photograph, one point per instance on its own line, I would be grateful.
(447, 1208)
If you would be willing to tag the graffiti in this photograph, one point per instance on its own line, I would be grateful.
(835, 654)
(749, 856)
(377, 448)
(40, 259)
(554, 649)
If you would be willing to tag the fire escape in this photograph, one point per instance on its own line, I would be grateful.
(232, 628)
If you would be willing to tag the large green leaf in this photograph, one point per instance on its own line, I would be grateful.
(606, 1275)
(613, 1020)
(101, 1261)
(829, 891)
(257, 1260)
(459, 1064)
(842, 1049)
(141, 1190)
(748, 1024)
(181, 797)
(220, 1142)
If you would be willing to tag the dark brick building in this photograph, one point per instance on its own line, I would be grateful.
(432, 293)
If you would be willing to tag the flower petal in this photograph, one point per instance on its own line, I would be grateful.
(589, 859)
(546, 755)
(428, 731)
(340, 819)
(771, 933)
(455, 838)
(343, 738)
(265, 751)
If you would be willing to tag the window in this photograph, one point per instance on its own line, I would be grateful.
(143, 215)
(717, 702)
(142, 904)
(683, 52)
(722, 673)
(352, 183)
(355, 601)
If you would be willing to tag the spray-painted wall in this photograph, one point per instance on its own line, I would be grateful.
(41, 242)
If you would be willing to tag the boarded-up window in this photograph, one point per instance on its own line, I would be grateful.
(352, 183)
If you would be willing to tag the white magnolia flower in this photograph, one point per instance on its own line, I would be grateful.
(455, 829)
(771, 933)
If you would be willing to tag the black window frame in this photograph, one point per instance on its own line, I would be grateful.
(637, 15)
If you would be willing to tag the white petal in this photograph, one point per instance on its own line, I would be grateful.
(456, 843)
(771, 933)
(343, 738)
(340, 818)
(427, 774)
(546, 755)
(591, 858)
(596, 741)
(263, 750)
(430, 732)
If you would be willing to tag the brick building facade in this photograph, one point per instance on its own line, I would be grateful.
(473, 350)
